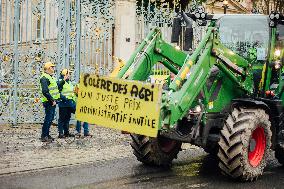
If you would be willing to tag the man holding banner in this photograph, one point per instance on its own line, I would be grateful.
(67, 105)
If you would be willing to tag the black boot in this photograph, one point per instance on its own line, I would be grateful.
(67, 134)
(50, 138)
(45, 139)
(61, 136)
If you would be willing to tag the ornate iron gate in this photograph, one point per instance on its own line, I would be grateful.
(154, 13)
(97, 24)
(75, 34)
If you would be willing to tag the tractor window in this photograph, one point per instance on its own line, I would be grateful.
(242, 33)
(280, 31)
(280, 36)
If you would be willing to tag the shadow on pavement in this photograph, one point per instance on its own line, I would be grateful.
(202, 172)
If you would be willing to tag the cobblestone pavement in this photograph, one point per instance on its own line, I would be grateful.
(21, 150)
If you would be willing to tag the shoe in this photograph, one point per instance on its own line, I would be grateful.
(45, 139)
(69, 135)
(78, 135)
(50, 137)
(88, 135)
(61, 136)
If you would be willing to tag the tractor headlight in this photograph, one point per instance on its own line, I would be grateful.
(272, 24)
(197, 109)
(277, 65)
(277, 53)
(177, 47)
(274, 16)
(197, 15)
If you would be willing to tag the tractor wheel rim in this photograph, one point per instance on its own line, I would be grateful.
(257, 147)
(167, 145)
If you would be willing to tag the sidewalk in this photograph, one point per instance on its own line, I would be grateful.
(21, 149)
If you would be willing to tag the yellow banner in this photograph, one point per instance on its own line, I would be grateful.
(120, 104)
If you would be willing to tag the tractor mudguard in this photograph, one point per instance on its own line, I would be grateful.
(247, 102)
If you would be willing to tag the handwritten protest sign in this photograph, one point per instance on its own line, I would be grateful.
(120, 104)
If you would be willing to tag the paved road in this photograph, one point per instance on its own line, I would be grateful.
(192, 169)
(106, 161)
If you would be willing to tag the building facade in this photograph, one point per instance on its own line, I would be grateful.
(229, 6)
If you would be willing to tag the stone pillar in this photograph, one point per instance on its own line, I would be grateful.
(125, 19)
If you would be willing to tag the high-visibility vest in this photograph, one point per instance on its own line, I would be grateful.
(53, 88)
(68, 91)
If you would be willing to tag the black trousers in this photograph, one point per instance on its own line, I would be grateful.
(64, 119)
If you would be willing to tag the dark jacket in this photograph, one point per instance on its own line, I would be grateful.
(64, 103)
(44, 89)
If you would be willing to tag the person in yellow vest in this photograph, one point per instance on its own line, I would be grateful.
(50, 95)
(66, 105)
(79, 124)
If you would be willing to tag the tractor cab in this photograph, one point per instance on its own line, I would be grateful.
(280, 40)
(246, 35)
(249, 37)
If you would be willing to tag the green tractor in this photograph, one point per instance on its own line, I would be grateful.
(226, 97)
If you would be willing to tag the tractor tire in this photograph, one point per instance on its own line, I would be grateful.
(245, 143)
(279, 150)
(158, 151)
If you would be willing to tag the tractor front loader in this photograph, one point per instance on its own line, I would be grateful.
(226, 97)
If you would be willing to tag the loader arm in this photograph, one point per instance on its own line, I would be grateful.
(151, 51)
(192, 71)
(193, 75)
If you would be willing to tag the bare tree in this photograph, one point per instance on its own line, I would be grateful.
(262, 6)
(266, 6)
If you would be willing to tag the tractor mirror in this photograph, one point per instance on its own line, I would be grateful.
(182, 26)
(188, 39)
(176, 30)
